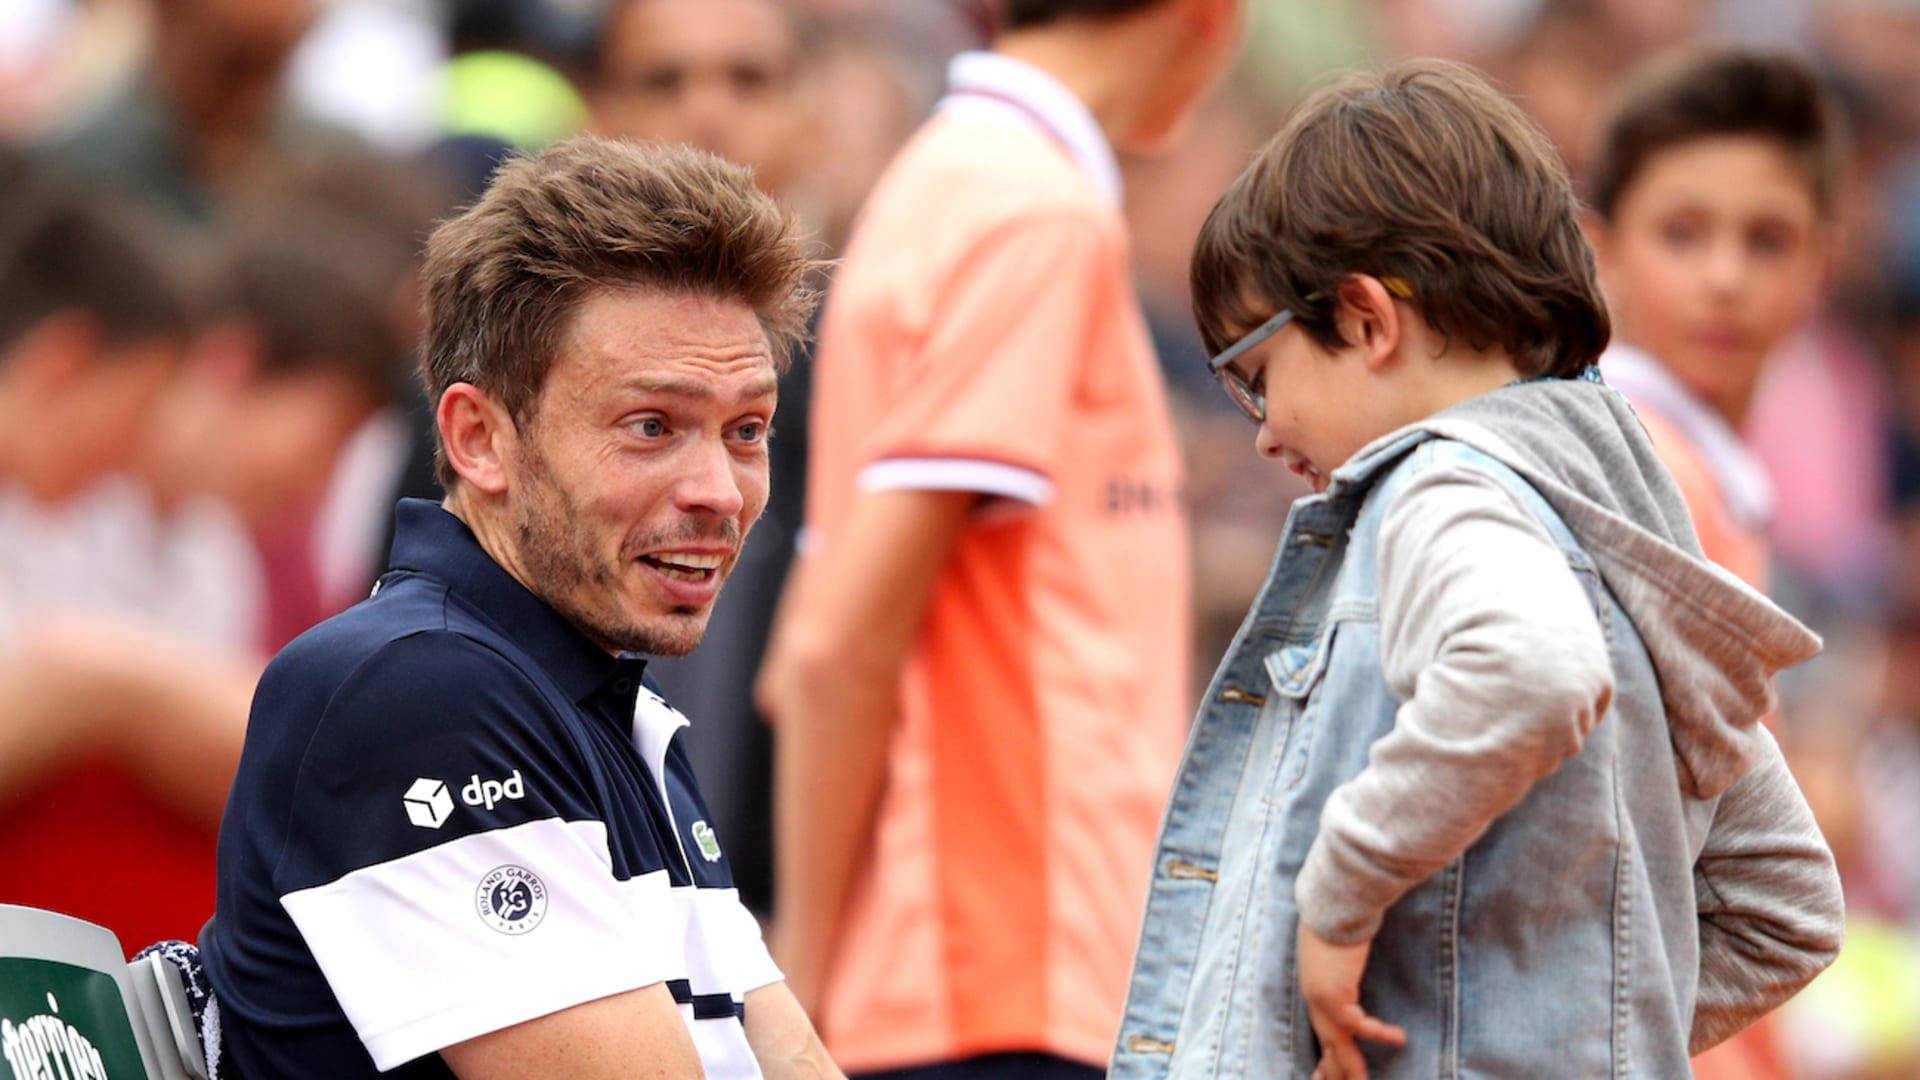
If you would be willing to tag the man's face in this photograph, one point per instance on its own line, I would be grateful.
(643, 464)
(1715, 253)
(714, 73)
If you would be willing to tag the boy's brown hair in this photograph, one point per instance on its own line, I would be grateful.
(1717, 91)
(503, 279)
(1425, 173)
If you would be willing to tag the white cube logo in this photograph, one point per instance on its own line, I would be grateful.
(428, 803)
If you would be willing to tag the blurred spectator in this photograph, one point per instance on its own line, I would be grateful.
(717, 74)
(978, 677)
(116, 742)
(243, 444)
(862, 86)
(391, 206)
(1238, 500)
(1561, 65)
(91, 326)
(204, 111)
(1714, 189)
(140, 600)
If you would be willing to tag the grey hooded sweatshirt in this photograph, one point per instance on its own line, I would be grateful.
(1503, 673)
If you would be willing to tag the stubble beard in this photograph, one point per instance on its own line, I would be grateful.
(562, 569)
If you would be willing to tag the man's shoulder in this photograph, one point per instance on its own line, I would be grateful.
(966, 177)
(408, 640)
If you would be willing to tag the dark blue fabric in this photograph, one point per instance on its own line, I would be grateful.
(453, 671)
(995, 1067)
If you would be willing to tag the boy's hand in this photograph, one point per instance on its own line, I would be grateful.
(1330, 983)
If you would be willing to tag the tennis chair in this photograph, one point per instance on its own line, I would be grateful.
(71, 1006)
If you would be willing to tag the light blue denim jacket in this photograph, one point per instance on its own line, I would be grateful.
(1655, 892)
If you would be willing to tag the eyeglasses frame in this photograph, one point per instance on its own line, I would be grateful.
(1254, 405)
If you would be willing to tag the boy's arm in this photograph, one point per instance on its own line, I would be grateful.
(1492, 645)
(1771, 911)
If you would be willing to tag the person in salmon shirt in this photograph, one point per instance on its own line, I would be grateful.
(1713, 193)
(977, 682)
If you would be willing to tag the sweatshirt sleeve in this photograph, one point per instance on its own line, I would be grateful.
(1492, 646)
(1771, 912)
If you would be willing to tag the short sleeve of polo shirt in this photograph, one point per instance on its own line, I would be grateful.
(984, 403)
(444, 861)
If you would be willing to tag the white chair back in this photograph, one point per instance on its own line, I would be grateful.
(71, 1005)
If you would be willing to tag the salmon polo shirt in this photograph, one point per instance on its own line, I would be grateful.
(984, 336)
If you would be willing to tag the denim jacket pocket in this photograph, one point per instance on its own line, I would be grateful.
(1295, 672)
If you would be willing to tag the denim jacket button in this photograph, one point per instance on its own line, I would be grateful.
(1241, 697)
(1141, 1044)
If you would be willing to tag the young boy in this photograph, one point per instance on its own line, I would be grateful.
(1713, 191)
(1480, 788)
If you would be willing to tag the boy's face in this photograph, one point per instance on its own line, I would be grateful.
(1322, 405)
(1714, 254)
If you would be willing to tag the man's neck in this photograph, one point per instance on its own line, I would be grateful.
(487, 529)
(1080, 54)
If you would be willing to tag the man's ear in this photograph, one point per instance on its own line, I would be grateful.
(478, 435)
(1369, 321)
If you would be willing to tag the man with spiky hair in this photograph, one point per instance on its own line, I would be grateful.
(465, 839)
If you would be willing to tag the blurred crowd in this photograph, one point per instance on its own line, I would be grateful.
(214, 210)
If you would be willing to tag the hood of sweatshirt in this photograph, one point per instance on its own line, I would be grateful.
(1716, 643)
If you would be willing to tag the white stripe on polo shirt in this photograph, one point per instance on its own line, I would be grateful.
(957, 474)
(417, 966)
(992, 85)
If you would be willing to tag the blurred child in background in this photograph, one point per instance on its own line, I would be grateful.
(1714, 189)
(147, 443)
(115, 741)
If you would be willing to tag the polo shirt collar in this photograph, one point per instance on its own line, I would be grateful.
(1737, 472)
(1019, 90)
(430, 540)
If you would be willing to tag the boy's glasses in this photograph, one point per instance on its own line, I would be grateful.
(1251, 394)
(1252, 400)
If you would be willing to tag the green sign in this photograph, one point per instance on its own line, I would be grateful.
(60, 1022)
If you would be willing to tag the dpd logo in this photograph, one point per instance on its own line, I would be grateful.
(511, 899)
(428, 803)
(489, 792)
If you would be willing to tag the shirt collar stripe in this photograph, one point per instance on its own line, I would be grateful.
(1016, 88)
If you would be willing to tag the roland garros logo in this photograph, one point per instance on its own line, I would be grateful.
(511, 899)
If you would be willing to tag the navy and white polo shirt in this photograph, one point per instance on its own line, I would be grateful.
(454, 813)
